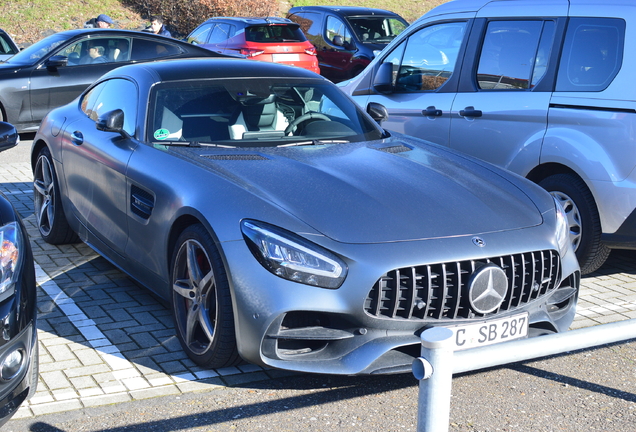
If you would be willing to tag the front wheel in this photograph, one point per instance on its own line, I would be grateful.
(583, 220)
(201, 301)
(49, 214)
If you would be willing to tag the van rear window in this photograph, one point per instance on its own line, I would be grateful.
(592, 54)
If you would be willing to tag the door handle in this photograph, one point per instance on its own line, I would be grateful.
(470, 111)
(77, 138)
(432, 112)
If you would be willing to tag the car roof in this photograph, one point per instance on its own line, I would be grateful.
(253, 20)
(345, 10)
(206, 68)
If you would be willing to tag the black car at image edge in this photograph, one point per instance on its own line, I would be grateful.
(18, 299)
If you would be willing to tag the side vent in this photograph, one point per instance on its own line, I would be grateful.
(141, 202)
(395, 149)
(235, 157)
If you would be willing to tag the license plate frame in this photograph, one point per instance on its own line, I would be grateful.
(489, 332)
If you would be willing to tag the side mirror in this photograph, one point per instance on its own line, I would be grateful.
(383, 80)
(337, 41)
(112, 121)
(378, 112)
(56, 61)
(9, 137)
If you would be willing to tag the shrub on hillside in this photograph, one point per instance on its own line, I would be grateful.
(182, 16)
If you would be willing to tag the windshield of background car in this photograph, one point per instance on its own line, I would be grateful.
(274, 33)
(256, 112)
(377, 29)
(31, 54)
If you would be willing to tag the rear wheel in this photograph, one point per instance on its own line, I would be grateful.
(583, 220)
(201, 301)
(49, 214)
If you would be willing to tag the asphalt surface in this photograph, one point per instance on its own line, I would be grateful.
(109, 362)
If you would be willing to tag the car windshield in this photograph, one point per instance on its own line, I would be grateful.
(31, 54)
(256, 112)
(377, 29)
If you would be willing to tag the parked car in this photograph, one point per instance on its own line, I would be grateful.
(269, 39)
(7, 46)
(55, 70)
(346, 38)
(18, 300)
(542, 90)
(286, 228)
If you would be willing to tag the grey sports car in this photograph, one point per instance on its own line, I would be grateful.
(287, 229)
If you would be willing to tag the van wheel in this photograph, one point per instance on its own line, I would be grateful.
(583, 220)
(201, 301)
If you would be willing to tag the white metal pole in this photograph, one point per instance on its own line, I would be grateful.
(435, 372)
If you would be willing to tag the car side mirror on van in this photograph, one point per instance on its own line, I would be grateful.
(383, 81)
(378, 112)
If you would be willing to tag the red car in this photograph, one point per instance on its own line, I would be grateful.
(270, 39)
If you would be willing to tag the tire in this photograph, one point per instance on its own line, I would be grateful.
(47, 204)
(35, 370)
(201, 301)
(583, 219)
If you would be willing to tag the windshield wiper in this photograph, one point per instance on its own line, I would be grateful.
(314, 142)
(190, 144)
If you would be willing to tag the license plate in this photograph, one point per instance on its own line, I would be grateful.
(285, 57)
(490, 332)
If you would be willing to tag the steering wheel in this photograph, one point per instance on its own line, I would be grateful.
(303, 118)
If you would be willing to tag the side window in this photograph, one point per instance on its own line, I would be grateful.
(88, 101)
(310, 24)
(509, 54)
(592, 54)
(145, 49)
(95, 51)
(220, 33)
(337, 33)
(5, 45)
(201, 34)
(429, 57)
(107, 97)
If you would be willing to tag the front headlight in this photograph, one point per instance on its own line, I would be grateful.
(9, 255)
(562, 230)
(291, 257)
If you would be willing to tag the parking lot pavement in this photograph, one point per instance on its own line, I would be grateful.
(105, 340)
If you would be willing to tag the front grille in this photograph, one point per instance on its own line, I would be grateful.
(440, 291)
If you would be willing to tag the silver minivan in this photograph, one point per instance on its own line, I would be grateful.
(540, 87)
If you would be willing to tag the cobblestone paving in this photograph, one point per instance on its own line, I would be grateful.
(104, 340)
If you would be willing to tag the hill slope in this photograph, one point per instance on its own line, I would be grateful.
(27, 21)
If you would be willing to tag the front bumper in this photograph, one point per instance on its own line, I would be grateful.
(14, 391)
(287, 325)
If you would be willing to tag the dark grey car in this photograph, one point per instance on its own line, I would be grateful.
(55, 70)
(286, 228)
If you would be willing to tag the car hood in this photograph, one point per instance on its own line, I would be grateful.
(359, 193)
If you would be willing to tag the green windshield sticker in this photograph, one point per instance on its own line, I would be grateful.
(161, 134)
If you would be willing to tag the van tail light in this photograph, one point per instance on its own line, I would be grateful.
(250, 52)
(311, 51)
